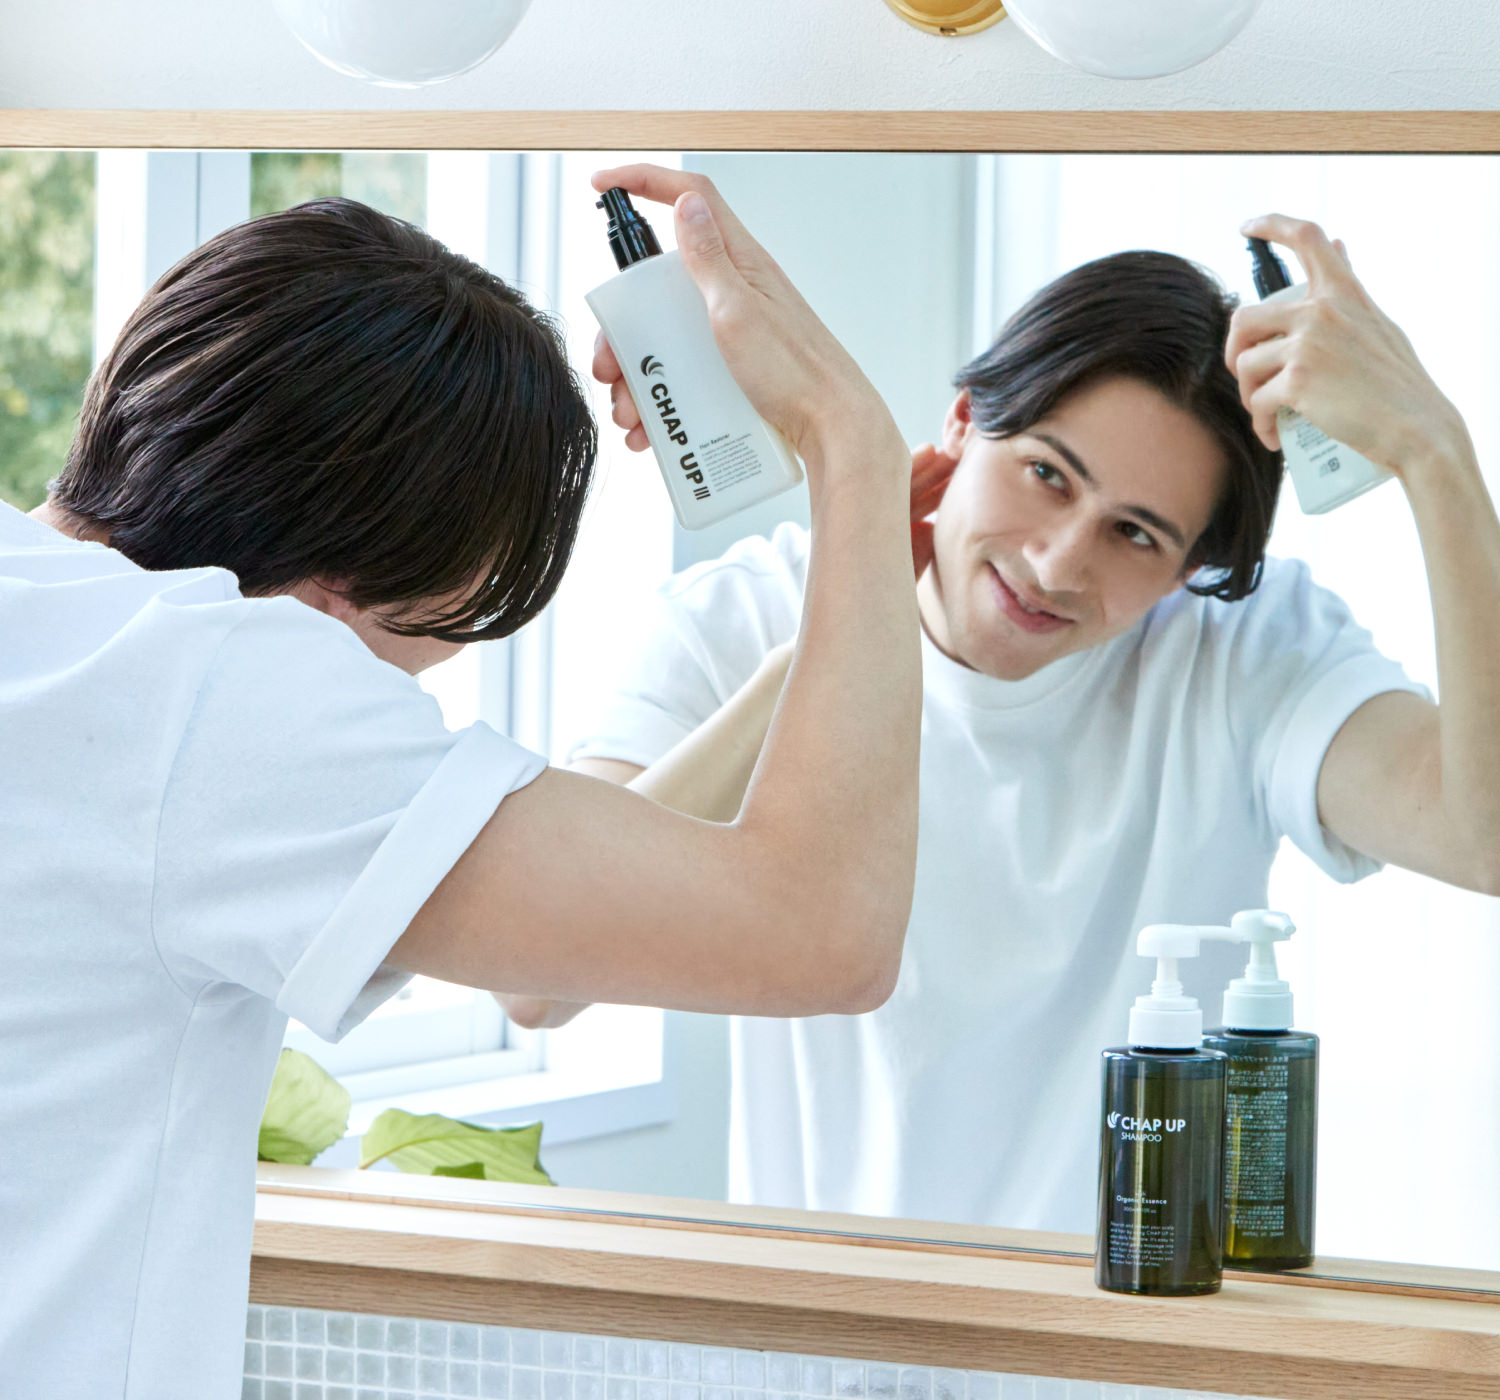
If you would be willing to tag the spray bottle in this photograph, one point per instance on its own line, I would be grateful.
(1161, 1189)
(1271, 1109)
(717, 455)
(1325, 473)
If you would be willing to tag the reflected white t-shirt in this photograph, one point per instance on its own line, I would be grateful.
(215, 813)
(1146, 780)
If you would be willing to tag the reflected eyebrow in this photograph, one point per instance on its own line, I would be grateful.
(1144, 514)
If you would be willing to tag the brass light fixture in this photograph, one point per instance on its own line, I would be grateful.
(949, 17)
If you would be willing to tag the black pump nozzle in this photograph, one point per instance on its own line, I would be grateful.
(1268, 271)
(630, 237)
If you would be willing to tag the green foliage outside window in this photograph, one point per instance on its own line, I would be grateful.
(392, 181)
(46, 313)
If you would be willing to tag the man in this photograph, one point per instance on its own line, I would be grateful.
(1125, 710)
(324, 453)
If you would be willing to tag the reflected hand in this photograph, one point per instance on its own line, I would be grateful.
(1333, 356)
(931, 471)
(622, 410)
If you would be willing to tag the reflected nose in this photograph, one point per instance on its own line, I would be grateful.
(1059, 557)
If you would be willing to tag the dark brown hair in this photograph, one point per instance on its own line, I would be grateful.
(1163, 321)
(330, 393)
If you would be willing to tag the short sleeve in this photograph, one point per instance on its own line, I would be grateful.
(1302, 667)
(314, 802)
(700, 639)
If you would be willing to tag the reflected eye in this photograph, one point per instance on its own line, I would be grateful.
(1136, 535)
(1046, 473)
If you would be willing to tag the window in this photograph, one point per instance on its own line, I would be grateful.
(46, 313)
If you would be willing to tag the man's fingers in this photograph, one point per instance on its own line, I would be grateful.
(1315, 251)
(606, 368)
(1256, 322)
(663, 186)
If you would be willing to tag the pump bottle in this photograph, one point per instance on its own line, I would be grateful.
(1271, 1109)
(717, 455)
(1161, 1187)
(1324, 472)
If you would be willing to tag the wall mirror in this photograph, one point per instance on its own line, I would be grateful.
(914, 258)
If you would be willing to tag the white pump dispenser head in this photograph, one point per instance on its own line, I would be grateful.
(1260, 1000)
(1166, 1019)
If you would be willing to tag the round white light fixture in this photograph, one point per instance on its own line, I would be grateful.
(1131, 38)
(399, 43)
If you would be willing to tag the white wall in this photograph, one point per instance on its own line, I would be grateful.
(685, 54)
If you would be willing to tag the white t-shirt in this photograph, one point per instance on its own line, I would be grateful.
(215, 813)
(1146, 780)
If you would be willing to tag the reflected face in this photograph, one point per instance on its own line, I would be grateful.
(1062, 537)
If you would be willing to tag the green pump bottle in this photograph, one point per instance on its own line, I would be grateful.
(1161, 1186)
(1271, 1109)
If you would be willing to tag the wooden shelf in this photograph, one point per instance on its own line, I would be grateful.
(975, 1299)
(388, 129)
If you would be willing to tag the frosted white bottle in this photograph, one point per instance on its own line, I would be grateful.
(1324, 471)
(716, 453)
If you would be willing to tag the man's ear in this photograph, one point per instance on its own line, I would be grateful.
(326, 597)
(958, 425)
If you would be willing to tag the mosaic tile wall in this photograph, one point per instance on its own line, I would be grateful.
(302, 1354)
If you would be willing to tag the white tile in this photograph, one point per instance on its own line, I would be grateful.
(432, 1339)
(750, 1395)
(278, 1324)
(1016, 1388)
(525, 1347)
(337, 1392)
(278, 1360)
(717, 1366)
(255, 1323)
(494, 1381)
(750, 1369)
(619, 1388)
(557, 1385)
(783, 1373)
(341, 1329)
(588, 1354)
(557, 1351)
(588, 1385)
(309, 1390)
(948, 1385)
(401, 1372)
(817, 1376)
(655, 1360)
(686, 1363)
(338, 1367)
(494, 1344)
(620, 1356)
(370, 1368)
(432, 1375)
(463, 1377)
(849, 1380)
(309, 1363)
(1049, 1388)
(251, 1390)
(915, 1383)
(310, 1327)
(255, 1359)
(369, 1333)
(653, 1390)
(278, 1390)
(401, 1336)
(463, 1342)
(718, 1392)
(525, 1382)
(880, 1382)
(686, 1390)
(982, 1385)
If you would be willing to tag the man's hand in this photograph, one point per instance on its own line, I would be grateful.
(931, 471)
(1335, 358)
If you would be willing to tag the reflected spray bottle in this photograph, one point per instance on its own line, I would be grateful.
(1271, 1109)
(717, 455)
(1161, 1184)
(1324, 472)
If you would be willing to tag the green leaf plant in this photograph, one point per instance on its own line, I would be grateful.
(307, 1111)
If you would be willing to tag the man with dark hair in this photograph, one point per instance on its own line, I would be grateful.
(1126, 707)
(324, 453)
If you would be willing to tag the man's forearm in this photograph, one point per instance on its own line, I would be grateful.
(707, 773)
(1460, 535)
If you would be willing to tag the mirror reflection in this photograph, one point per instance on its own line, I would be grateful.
(1103, 746)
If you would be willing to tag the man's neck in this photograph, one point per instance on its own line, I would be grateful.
(65, 523)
